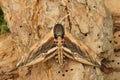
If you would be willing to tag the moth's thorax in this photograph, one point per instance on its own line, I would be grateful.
(59, 41)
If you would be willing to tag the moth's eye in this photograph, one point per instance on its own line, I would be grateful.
(55, 40)
(63, 41)
(55, 36)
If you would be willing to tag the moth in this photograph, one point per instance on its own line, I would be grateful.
(62, 44)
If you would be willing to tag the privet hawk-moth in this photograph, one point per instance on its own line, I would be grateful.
(62, 44)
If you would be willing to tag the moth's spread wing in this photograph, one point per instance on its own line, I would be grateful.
(74, 52)
(42, 56)
(47, 49)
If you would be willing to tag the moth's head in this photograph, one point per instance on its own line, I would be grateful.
(58, 31)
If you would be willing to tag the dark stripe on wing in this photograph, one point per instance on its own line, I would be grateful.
(45, 47)
(73, 47)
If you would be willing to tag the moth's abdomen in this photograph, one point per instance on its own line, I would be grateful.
(58, 31)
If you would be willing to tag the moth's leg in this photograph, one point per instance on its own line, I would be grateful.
(43, 57)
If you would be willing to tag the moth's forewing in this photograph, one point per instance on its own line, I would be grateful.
(73, 47)
(72, 51)
(44, 48)
(81, 48)
(40, 51)
(43, 57)
(45, 52)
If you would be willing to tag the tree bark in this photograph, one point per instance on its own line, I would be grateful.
(31, 20)
(114, 60)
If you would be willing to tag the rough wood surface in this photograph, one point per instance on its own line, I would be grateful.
(113, 6)
(31, 20)
(113, 63)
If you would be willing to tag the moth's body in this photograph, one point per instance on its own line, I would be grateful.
(59, 39)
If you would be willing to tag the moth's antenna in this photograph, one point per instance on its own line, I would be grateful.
(63, 18)
(54, 20)
(60, 19)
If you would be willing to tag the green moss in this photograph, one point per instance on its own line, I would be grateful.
(3, 24)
